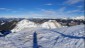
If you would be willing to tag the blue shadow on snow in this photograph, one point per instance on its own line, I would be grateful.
(35, 43)
(69, 36)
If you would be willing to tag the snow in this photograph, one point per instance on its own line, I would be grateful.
(65, 37)
(51, 24)
(24, 24)
(2, 23)
(79, 17)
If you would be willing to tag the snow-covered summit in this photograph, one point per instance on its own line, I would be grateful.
(51, 24)
(24, 24)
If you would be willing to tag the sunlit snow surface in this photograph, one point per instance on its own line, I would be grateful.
(23, 24)
(65, 37)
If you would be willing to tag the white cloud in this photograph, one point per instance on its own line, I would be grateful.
(62, 9)
(5, 9)
(11, 10)
(49, 4)
(75, 11)
(44, 13)
(82, 6)
(50, 13)
(73, 1)
(2, 8)
(58, 13)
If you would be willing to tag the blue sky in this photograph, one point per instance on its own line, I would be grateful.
(41, 8)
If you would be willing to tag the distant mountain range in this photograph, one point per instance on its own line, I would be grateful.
(79, 17)
(76, 18)
(10, 23)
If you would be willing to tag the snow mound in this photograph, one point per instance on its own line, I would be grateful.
(51, 24)
(66, 37)
(24, 24)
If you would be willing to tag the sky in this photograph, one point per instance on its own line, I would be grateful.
(41, 8)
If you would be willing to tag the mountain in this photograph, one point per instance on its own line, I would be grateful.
(65, 37)
(79, 18)
(51, 24)
(23, 24)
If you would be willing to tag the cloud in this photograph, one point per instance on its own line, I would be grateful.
(49, 4)
(2, 8)
(50, 13)
(59, 13)
(81, 6)
(75, 11)
(62, 9)
(5, 9)
(10, 10)
(47, 13)
(70, 2)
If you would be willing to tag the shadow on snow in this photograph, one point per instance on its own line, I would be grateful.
(35, 43)
(69, 36)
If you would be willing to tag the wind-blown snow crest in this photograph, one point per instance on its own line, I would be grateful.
(66, 37)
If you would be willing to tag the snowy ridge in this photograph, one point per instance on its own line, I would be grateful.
(24, 24)
(51, 24)
(66, 37)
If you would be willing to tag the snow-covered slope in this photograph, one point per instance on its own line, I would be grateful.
(66, 37)
(23, 25)
(51, 24)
